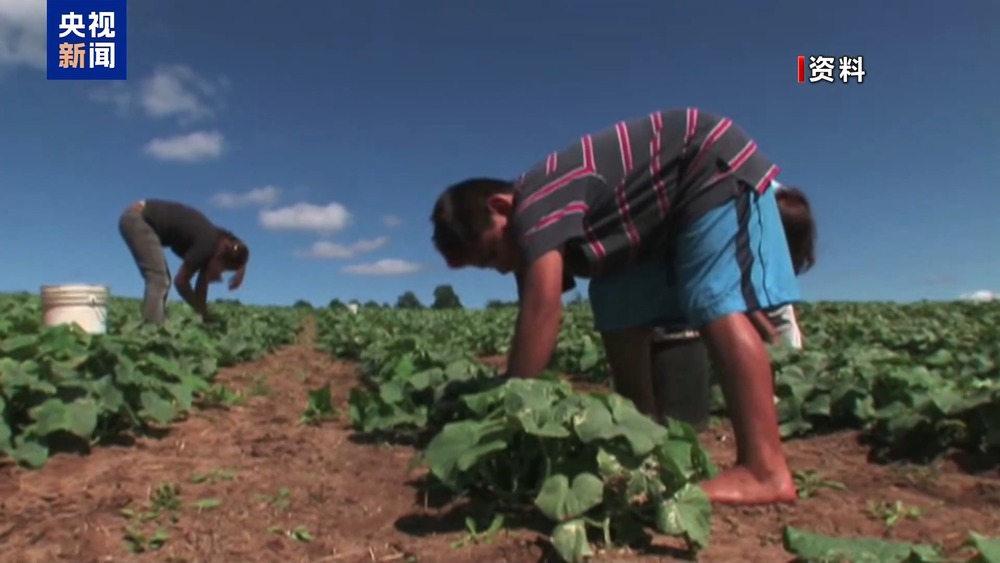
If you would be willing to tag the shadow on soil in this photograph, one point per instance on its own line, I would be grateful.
(65, 443)
(976, 462)
(926, 452)
(417, 441)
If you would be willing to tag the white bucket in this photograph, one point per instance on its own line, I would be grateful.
(85, 305)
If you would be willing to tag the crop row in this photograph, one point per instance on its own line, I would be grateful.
(918, 379)
(62, 388)
(591, 462)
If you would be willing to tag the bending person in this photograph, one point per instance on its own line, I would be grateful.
(682, 200)
(206, 250)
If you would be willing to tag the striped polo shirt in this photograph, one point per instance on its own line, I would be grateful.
(614, 197)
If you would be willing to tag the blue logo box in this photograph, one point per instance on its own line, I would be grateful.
(86, 40)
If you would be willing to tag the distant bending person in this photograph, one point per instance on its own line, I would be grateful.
(206, 250)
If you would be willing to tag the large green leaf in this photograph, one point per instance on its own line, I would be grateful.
(78, 417)
(688, 513)
(559, 500)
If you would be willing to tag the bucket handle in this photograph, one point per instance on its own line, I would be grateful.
(103, 315)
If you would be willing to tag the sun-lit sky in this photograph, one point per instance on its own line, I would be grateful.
(322, 132)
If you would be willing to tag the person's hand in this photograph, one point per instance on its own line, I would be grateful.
(236, 280)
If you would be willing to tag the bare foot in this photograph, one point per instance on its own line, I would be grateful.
(739, 486)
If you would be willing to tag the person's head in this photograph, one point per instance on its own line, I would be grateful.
(231, 254)
(800, 227)
(472, 225)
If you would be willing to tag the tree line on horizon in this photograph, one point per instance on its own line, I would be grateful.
(444, 298)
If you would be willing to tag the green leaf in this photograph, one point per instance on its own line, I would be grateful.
(688, 514)
(207, 504)
(594, 422)
(459, 446)
(988, 548)
(156, 407)
(5, 433)
(570, 540)
(404, 366)
(23, 375)
(810, 547)
(18, 345)
(78, 418)
(560, 501)
(169, 366)
(29, 451)
(391, 392)
(321, 400)
(641, 432)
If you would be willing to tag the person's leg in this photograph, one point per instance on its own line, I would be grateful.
(731, 262)
(630, 361)
(168, 279)
(147, 251)
(624, 306)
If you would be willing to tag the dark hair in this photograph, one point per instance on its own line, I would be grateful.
(235, 253)
(800, 227)
(461, 216)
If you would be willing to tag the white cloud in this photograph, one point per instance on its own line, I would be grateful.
(176, 90)
(386, 267)
(332, 250)
(192, 147)
(306, 217)
(22, 33)
(391, 221)
(981, 295)
(170, 91)
(264, 196)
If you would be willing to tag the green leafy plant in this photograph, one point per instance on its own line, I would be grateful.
(809, 483)
(61, 387)
(916, 380)
(319, 406)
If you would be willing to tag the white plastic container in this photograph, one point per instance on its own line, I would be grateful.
(353, 308)
(85, 305)
(784, 321)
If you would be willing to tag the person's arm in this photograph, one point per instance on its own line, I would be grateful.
(196, 261)
(201, 295)
(551, 206)
(196, 297)
(568, 283)
(538, 317)
(764, 327)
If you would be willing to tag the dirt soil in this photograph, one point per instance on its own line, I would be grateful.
(254, 485)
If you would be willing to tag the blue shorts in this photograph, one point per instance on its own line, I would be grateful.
(734, 259)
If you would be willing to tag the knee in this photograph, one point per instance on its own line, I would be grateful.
(158, 282)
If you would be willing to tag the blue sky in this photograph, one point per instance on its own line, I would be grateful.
(366, 110)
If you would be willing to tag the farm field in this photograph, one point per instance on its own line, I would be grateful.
(288, 434)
